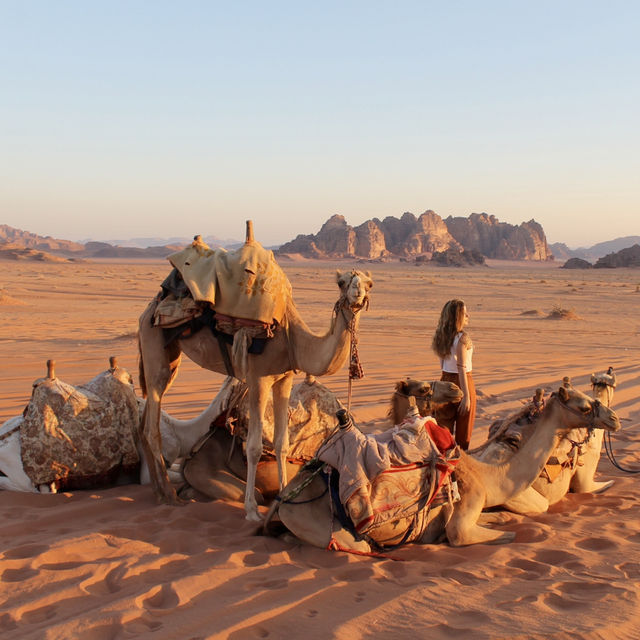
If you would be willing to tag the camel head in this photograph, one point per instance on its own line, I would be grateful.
(582, 411)
(426, 394)
(354, 288)
(607, 379)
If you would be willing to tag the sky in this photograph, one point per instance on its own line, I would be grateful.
(122, 119)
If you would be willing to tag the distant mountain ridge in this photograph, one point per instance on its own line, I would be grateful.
(16, 244)
(562, 252)
(423, 236)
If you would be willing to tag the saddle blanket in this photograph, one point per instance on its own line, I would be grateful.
(78, 432)
(247, 283)
(393, 475)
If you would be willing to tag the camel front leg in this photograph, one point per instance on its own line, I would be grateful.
(583, 480)
(258, 395)
(281, 394)
(463, 528)
(528, 502)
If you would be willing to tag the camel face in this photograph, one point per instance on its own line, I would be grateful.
(355, 287)
(594, 412)
(444, 392)
(438, 391)
(426, 394)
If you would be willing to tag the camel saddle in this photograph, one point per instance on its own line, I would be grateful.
(78, 437)
(246, 284)
(386, 481)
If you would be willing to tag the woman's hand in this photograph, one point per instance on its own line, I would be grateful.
(465, 405)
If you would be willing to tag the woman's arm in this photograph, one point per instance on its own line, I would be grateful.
(461, 356)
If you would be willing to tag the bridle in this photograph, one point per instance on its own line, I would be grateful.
(427, 397)
(355, 368)
(591, 414)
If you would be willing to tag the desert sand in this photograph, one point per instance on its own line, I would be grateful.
(111, 564)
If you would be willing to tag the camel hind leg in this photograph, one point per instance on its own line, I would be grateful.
(281, 394)
(160, 365)
(463, 528)
(259, 390)
(307, 515)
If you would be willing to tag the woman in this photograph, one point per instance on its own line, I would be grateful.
(453, 345)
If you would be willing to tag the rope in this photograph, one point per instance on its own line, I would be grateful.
(609, 450)
(355, 368)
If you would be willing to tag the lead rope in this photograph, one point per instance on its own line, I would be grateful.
(608, 447)
(355, 368)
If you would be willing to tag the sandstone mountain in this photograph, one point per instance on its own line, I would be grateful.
(486, 234)
(426, 235)
(16, 244)
(629, 257)
(398, 237)
(11, 238)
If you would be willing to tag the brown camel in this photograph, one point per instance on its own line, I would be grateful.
(217, 469)
(293, 347)
(308, 512)
(571, 465)
(425, 394)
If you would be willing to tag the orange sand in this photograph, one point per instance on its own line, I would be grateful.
(110, 564)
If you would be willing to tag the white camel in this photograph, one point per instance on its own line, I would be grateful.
(571, 465)
(178, 436)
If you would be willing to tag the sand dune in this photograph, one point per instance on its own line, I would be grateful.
(111, 564)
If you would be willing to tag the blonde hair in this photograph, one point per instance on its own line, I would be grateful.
(450, 324)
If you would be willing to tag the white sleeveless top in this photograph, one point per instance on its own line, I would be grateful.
(450, 363)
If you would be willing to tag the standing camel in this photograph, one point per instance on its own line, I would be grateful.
(293, 347)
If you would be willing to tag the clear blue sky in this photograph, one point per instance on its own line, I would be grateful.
(156, 118)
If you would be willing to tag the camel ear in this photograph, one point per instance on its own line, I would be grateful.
(402, 386)
(563, 394)
(369, 278)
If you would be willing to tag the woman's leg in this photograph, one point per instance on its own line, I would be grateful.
(464, 423)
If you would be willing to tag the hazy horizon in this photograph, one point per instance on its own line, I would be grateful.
(129, 119)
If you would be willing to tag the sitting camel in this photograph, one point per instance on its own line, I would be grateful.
(60, 421)
(310, 512)
(571, 465)
(425, 395)
(292, 347)
(217, 468)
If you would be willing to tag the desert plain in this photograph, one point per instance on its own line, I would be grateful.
(111, 564)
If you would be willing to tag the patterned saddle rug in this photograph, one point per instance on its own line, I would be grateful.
(77, 437)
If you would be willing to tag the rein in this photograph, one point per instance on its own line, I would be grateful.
(608, 446)
(609, 450)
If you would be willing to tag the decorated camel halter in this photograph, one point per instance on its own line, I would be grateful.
(355, 367)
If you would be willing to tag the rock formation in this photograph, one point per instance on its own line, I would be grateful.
(374, 239)
(576, 263)
(494, 239)
(423, 237)
(629, 257)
